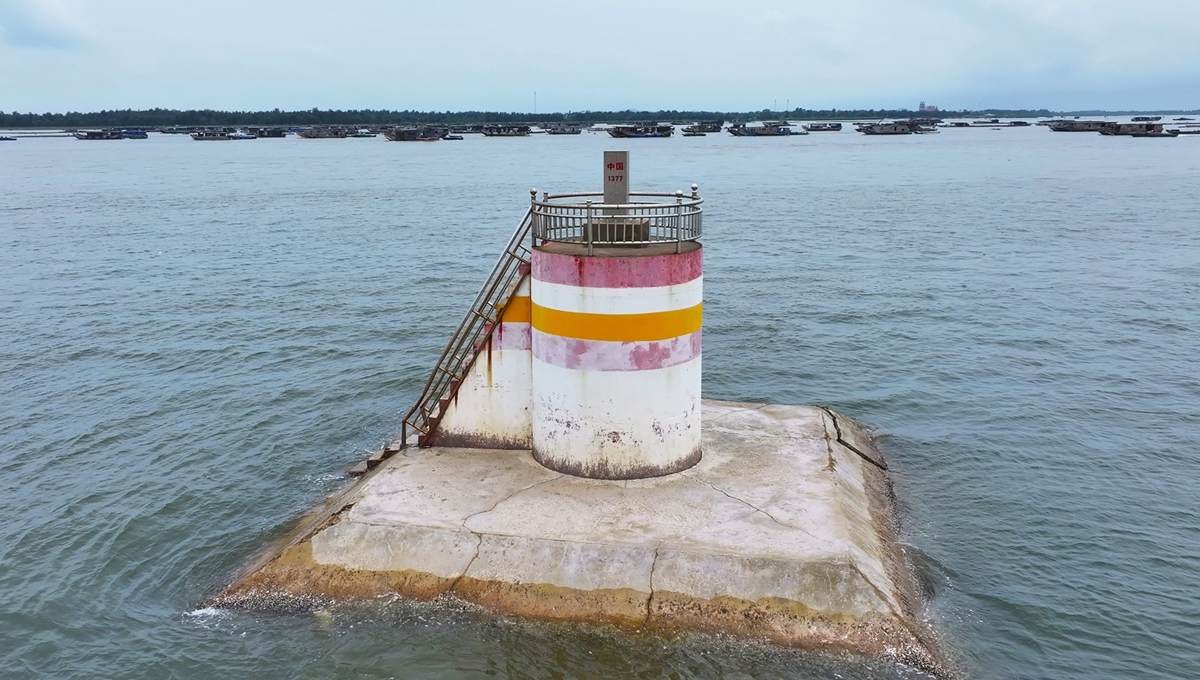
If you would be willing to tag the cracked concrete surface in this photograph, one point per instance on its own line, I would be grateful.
(781, 531)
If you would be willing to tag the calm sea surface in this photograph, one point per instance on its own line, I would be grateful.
(196, 340)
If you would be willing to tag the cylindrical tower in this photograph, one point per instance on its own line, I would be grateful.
(616, 307)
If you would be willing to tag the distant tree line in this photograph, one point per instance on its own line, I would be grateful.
(172, 117)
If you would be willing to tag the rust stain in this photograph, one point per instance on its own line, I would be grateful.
(489, 358)
(602, 469)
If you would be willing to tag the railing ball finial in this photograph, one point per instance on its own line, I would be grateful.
(533, 194)
(695, 188)
(679, 193)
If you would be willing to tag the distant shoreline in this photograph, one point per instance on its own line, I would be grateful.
(172, 117)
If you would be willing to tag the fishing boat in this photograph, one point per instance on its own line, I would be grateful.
(705, 126)
(563, 129)
(901, 128)
(411, 134)
(211, 136)
(641, 130)
(268, 132)
(693, 133)
(1146, 119)
(823, 127)
(134, 134)
(452, 138)
(363, 133)
(7, 139)
(768, 128)
(1142, 129)
(323, 133)
(98, 134)
(505, 130)
(1076, 125)
(241, 134)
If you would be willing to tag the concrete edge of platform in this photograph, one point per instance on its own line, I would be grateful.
(881, 500)
(474, 570)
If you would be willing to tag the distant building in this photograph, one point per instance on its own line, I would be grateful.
(927, 109)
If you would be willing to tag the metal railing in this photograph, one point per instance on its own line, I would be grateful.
(471, 334)
(564, 217)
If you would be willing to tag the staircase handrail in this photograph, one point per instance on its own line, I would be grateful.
(478, 324)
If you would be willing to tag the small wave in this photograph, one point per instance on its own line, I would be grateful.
(208, 613)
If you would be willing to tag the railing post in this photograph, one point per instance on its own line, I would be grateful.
(589, 228)
(533, 216)
(679, 220)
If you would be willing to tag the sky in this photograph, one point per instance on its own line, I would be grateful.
(77, 55)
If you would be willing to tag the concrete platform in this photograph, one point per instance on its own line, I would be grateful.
(784, 531)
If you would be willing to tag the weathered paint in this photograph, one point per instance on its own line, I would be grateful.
(598, 355)
(620, 272)
(491, 409)
(616, 365)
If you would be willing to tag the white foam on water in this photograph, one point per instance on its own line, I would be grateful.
(208, 613)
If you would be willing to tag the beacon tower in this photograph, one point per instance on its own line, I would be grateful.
(593, 361)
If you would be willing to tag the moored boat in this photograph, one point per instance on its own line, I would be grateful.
(768, 128)
(323, 133)
(412, 134)
(242, 134)
(562, 129)
(496, 130)
(363, 133)
(211, 136)
(134, 133)
(705, 126)
(98, 134)
(1141, 129)
(823, 127)
(7, 139)
(268, 132)
(1076, 125)
(641, 130)
(900, 128)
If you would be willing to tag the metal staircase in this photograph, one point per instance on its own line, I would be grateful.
(470, 337)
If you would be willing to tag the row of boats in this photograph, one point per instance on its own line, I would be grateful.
(1147, 126)
(1144, 126)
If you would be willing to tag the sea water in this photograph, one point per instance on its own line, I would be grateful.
(197, 340)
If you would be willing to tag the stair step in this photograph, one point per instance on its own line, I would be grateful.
(375, 459)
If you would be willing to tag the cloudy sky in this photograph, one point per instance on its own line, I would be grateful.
(60, 55)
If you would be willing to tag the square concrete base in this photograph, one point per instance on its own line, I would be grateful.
(783, 531)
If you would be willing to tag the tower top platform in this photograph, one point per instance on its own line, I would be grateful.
(586, 219)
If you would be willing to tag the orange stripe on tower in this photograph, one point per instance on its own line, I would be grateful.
(618, 327)
(517, 310)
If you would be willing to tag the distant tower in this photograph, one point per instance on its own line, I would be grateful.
(921, 107)
(616, 292)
